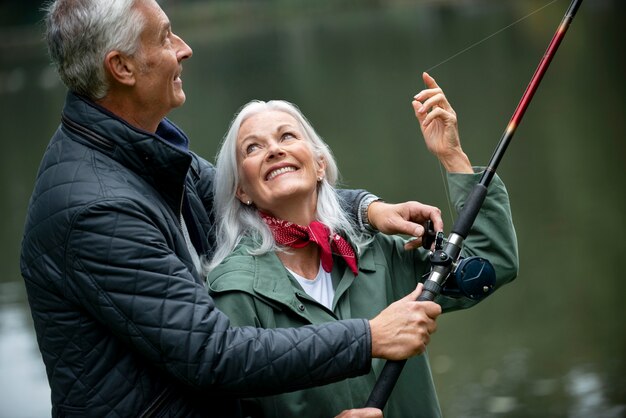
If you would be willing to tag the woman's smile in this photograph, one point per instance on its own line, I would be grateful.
(278, 171)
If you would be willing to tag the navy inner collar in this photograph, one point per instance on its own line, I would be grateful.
(172, 134)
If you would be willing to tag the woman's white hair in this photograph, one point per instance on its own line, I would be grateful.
(80, 33)
(235, 220)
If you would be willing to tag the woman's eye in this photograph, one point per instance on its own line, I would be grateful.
(287, 136)
(251, 148)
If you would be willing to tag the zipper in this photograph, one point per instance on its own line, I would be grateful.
(195, 257)
(180, 209)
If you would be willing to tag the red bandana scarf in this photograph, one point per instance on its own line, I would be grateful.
(298, 236)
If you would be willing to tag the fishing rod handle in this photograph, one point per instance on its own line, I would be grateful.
(472, 206)
(392, 368)
(430, 291)
(385, 384)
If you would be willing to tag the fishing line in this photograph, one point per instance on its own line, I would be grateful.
(475, 44)
(447, 255)
(444, 180)
(491, 36)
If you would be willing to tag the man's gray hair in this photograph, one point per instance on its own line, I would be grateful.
(235, 220)
(80, 33)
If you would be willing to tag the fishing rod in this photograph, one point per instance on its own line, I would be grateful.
(445, 258)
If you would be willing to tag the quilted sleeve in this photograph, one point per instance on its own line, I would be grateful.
(351, 203)
(123, 272)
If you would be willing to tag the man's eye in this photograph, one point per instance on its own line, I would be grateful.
(167, 36)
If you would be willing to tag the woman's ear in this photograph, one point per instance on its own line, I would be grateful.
(121, 68)
(242, 196)
(321, 168)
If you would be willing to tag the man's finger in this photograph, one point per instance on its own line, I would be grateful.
(413, 243)
(415, 294)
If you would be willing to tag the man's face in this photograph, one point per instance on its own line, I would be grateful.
(158, 83)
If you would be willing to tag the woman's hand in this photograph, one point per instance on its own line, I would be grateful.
(438, 123)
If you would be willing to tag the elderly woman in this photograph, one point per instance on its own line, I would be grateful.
(288, 255)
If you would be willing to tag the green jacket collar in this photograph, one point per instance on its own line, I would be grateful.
(265, 277)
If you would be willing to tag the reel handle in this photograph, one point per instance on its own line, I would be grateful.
(429, 235)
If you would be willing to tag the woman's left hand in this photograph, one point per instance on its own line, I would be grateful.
(438, 123)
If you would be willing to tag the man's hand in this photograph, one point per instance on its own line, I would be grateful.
(404, 218)
(403, 329)
(361, 413)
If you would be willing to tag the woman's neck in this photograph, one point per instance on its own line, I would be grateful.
(298, 210)
(304, 261)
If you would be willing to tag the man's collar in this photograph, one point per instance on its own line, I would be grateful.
(172, 134)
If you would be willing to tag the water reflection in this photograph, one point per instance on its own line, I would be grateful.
(510, 390)
(13, 81)
(587, 391)
(24, 392)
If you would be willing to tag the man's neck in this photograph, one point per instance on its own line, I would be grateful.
(125, 108)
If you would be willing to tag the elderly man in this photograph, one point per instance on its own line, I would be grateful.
(117, 224)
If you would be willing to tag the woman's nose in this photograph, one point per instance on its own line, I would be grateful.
(274, 150)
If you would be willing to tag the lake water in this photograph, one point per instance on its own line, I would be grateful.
(551, 344)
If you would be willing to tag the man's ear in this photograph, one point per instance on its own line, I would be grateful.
(121, 68)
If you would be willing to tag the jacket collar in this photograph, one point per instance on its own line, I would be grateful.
(271, 281)
(162, 159)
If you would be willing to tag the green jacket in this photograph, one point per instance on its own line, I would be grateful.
(259, 291)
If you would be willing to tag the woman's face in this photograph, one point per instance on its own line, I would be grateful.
(277, 167)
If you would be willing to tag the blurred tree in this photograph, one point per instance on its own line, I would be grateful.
(22, 12)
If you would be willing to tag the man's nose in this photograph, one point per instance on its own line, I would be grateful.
(184, 50)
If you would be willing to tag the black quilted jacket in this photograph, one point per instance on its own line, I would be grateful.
(124, 323)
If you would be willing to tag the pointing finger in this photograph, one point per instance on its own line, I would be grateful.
(429, 81)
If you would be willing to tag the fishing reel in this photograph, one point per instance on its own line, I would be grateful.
(472, 277)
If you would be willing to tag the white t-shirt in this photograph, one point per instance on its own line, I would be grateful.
(320, 288)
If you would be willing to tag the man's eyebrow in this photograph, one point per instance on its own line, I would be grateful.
(165, 27)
